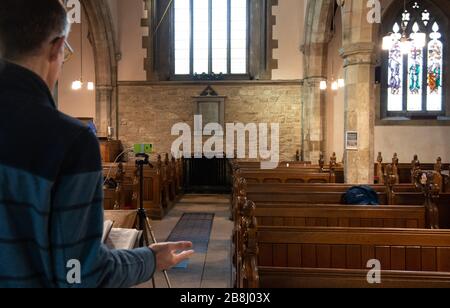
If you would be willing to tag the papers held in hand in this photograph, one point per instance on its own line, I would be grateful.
(107, 226)
(120, 239)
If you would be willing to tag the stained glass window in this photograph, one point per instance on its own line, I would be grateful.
(415, 72)
(395, 71)
(211, 37)
(414, 66)
(435, 52)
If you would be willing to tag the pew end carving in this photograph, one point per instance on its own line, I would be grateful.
(428, 182)
(379, 173)
(322, 162)
(245, 246)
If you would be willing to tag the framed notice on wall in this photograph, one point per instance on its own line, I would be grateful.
(351, 141)
(211, 107)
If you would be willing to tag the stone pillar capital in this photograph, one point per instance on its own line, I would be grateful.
(104, 88)
(359, 53)
(313, 81)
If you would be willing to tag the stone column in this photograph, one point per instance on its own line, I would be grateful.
(313, 118)
(313, 98)
(103, 108)
(359, 70)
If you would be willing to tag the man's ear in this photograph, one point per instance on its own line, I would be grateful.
(57, 49)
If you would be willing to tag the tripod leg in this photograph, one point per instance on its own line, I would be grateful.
(148, 228)
(147, 243)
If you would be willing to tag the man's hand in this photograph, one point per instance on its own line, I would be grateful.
(167, 256)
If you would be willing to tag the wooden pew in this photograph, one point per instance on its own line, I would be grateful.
(402, 194)
(171, 179)
(299, 257)
(301, 193)
(125, 194)
(163, 186)
(443, 203)
(295, 193)
(404, 172)
(178, 166)
(335, 170)
(153, 190)
(285, 176)
(336, 278)
(427, 190)
(113, 187)
(316, 215)
(268, 257)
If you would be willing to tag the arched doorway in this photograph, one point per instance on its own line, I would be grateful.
(102, 38)
(359, 46)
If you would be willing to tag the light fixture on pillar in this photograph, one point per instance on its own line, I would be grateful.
(78, 84)
(417, 39)
(323, 85)
(341, 83)
(334, 86)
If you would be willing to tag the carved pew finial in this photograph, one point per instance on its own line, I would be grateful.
(415, 162)
(380, 158)
(389, 174)
(379, 175)
(166, 159)
(395, 163)
(333, 161)
(415, 167)
(248, 247)
(321, 162)
(438, 165)
(395, 159)
(390, 181)
(159, 161)
(430, 185)
(119, 178)
(438, 179)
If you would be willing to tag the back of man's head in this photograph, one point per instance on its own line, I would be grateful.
(25, 25)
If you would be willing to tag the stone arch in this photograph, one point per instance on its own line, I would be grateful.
(102, 38)
(359, 49)
(319, 16)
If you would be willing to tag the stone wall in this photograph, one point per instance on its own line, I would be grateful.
(147, 111)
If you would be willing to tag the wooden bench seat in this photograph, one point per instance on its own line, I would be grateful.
(294, 195)
(303, 278)
(125, 194)
(397, 249)
(285, 194)
(300, 168)
(400, 251)
(285, 176)
(320, 256)
(316, 215)
(162, 186)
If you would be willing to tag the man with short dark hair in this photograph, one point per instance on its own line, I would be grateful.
(51, 190)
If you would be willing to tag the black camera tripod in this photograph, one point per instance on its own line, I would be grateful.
(144, 225)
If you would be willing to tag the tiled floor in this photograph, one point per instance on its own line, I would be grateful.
(210, 270)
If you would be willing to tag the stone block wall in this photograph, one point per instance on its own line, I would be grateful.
(147, 111)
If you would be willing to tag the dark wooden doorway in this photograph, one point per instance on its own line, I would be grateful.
(207, 176)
